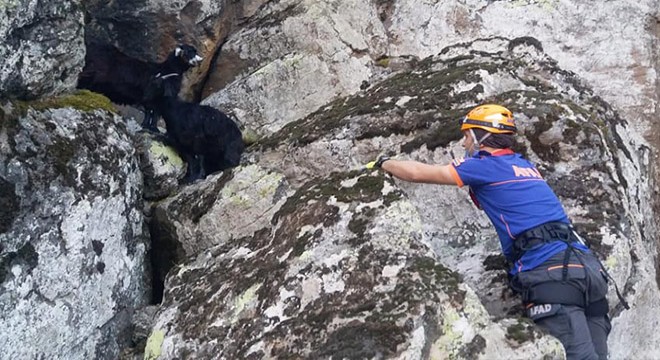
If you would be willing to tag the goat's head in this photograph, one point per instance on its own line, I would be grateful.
(188, 54)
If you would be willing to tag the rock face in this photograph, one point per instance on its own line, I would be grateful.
(72, 244)
(161, 165)
(342, 273)
(229, 206)
(161, 24)
(312, 50)
(42, 48)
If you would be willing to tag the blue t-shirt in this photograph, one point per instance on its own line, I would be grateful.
(515, 198)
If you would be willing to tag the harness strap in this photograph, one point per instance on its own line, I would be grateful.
(616, 288)
(554, 292)
(544, 233)
(564, 270)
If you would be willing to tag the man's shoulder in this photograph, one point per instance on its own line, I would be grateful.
(458, 162)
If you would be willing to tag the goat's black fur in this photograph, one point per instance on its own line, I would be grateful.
(124, 79)
(206, 138)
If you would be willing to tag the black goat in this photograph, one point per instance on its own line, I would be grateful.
(123, 79)
(206, 138)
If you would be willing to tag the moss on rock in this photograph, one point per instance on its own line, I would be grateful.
(429, 94)
(522, 331)
(83, 100)
(434, 272)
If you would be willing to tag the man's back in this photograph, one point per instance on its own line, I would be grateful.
(515, 197)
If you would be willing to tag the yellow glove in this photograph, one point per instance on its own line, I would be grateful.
(377, 163)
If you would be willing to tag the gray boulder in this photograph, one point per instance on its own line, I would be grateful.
(42, 48)
(72, 241)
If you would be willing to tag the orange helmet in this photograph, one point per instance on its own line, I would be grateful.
(490, 117)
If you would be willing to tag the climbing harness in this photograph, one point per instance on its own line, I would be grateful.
(561, 292)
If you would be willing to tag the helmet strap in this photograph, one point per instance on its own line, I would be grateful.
(480, 141)
(476, 143)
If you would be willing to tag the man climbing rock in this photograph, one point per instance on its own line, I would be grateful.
(562, 284)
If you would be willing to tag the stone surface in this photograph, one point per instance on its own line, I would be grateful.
(294, 56)
(41, 47)
(161, 166)
(150, 29)
(72, 246)
(342, 273)
(230, 205)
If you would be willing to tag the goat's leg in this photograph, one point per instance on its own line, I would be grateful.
(190, 171)
(150, 120)
(202, 169)
(195, 168)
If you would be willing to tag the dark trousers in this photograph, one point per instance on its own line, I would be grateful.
(581, 327)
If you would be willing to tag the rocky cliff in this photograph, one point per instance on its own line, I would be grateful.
(299, 252)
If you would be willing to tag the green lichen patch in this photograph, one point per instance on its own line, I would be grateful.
(430, 93)
(383, 62)
(472, 349)
(524, 330)
(495, 262)
(433, 272)
(83, 100)
(152, 350)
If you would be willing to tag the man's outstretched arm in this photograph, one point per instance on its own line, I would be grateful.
(415, 171)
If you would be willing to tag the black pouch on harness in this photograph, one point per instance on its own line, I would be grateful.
(554, 293)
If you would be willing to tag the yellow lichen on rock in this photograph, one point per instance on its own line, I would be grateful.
(152, 349)
(160, 150)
